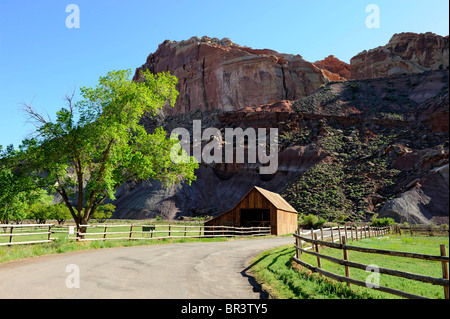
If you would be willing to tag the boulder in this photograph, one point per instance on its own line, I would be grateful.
(427, 202)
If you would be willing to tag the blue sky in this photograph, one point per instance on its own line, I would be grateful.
(41, 59)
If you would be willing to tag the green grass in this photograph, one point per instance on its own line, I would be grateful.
(285, 280)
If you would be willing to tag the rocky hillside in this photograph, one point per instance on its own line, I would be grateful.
(347, 148)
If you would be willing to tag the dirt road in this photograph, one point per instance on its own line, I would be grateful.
(176, 271)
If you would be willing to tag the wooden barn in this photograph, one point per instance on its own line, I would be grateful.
(260, 208)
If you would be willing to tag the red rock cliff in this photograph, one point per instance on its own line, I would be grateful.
(405, 53)
(219, 74)
(334, 65)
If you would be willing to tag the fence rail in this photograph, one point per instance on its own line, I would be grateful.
(169, 231)
(29, 230)
(430, 230)
(342, 245)
(41, 233)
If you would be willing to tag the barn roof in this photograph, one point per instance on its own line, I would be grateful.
(276, 200)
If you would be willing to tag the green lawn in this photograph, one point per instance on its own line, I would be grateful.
(275, 270)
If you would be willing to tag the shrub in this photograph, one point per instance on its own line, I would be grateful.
(382, 222)
(312, 221)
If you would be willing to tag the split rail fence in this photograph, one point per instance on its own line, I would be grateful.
(430, 230)
(33, 234)
(343, 238)
(42, 233)
(168, 231)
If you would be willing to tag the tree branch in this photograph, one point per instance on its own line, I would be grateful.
(100, 173)
(63, 194)
(33, 116)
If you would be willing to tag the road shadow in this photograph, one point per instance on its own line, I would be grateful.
(257, 288)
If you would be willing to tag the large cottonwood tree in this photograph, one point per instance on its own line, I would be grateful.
(97, 144)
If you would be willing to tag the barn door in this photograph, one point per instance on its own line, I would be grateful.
(255, 217)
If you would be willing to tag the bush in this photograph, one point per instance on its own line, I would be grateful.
(311, 221)
(382, 222)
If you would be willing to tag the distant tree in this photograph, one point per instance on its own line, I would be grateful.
(97, 144)
(60, 213)
(104, 212)
(17, 190)
(39, 210)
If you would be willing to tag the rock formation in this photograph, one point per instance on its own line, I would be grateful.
(219, 74)
(336, 66)
(405, 53)
(383, 136)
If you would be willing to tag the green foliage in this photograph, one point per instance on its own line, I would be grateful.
(104, 212)
(40, 211)
(311, 221)
(382, 222)
(318, 192)
(338, 190)
(17, 190)
(59, 212)
(89, 158)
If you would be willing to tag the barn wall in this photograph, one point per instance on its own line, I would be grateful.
(226, 219)
(286, 222)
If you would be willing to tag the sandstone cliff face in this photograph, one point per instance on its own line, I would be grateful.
(405, 53)
(336, 66)
(219, 74)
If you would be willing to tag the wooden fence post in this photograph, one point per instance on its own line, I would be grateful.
(332, 236)
(339, 232)
(169, 230)
(347, 271)
(11, 236)
(297, 255)
(321, 233)
(104, 235)
(445, 271)
(351, 231)
(131, 232)
(345, 228)
(319, 264)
